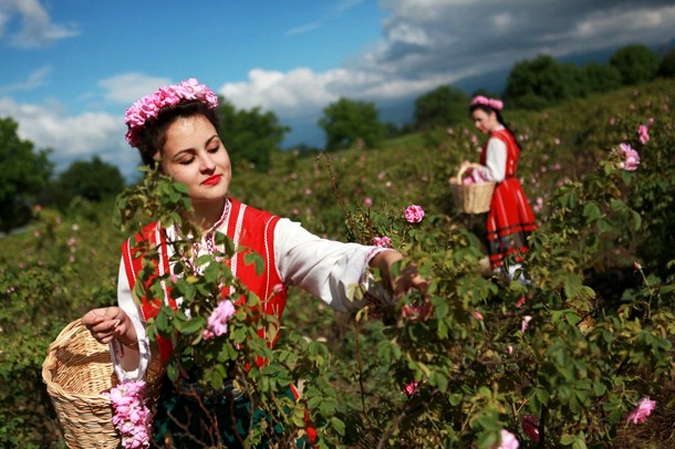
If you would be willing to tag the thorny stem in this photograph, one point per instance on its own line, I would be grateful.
(407, 409)
(339, 198)
(360, 371)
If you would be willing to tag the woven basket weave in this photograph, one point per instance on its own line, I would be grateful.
(77, 370)
(471, 198)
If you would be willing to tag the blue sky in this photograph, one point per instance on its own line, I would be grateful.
(70, 68)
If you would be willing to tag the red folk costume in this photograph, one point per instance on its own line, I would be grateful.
(248, 228)
(510, 219)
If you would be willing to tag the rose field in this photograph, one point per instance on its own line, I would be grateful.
(579, 356)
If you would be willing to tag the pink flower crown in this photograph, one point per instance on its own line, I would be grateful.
(493, 103)
(149, 106)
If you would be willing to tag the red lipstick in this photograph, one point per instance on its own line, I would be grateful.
(212, 180)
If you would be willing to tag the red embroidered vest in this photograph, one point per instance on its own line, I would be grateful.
(248, 228)
(512, 151)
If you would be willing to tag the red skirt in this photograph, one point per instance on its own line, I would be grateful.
(509, 222)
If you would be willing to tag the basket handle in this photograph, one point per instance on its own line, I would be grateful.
(66, 334)
(463, 170)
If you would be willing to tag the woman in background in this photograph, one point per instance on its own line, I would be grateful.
(510, 219)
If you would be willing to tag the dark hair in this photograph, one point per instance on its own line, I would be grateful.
(152, 137)
(487, 109)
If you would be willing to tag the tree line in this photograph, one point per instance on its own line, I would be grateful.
(252, 136)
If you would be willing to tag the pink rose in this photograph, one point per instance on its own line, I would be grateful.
(131, 417)
(643, 133)
(644, 409)
(367, 201)
(414, 213)
(631, 158)
(525, 323)
(217, 323)
(381, 242)
(411, 388)
(509, 440)
(538, 204)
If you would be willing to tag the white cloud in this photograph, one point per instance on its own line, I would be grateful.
(599, 31)
(289, 92)
(129, 87)
(303, 29)
(35, 79)
(37, 28)
(427, 43)
(71, 137)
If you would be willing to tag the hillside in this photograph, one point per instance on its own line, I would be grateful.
(596, 222)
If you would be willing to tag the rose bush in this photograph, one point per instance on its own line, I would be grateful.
(572, 355)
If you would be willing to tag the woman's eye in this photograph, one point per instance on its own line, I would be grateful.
(214, 149)
(187, 161)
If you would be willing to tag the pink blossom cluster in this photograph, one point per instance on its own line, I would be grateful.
(131, 417)
(631, 158)
(538, 204)
(216, 324)
(410, 388)
(508, 440)
(644, 409)
(643, 134)
(475, 177)
(149, 106)
(493, 103)
(381, 242)
(414, 213)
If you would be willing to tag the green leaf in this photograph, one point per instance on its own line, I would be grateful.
(592, 211)
(338, 425)
(567, 439)
(254, 258)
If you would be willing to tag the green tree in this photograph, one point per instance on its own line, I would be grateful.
(636, 63)
(23, 173)
(541, 82)
(599, 78)
(442, 106)
(667, 66)
(347, 121)
(250, 135)
(93, 180)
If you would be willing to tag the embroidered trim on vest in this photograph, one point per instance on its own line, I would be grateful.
(162, 259)
(235, 239)
(268, 261)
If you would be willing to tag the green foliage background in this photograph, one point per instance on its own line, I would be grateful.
(600, 337)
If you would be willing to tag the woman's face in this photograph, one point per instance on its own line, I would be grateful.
(195, 156)
(485, 122)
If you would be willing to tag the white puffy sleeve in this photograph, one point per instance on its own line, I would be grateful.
(122, 357)
(324, 268)
(495, 161)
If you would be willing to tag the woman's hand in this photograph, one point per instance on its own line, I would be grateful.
(464, 164)
(109, 323)
(407, 279)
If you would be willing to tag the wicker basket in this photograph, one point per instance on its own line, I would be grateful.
(77, 370)
(471, 198)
